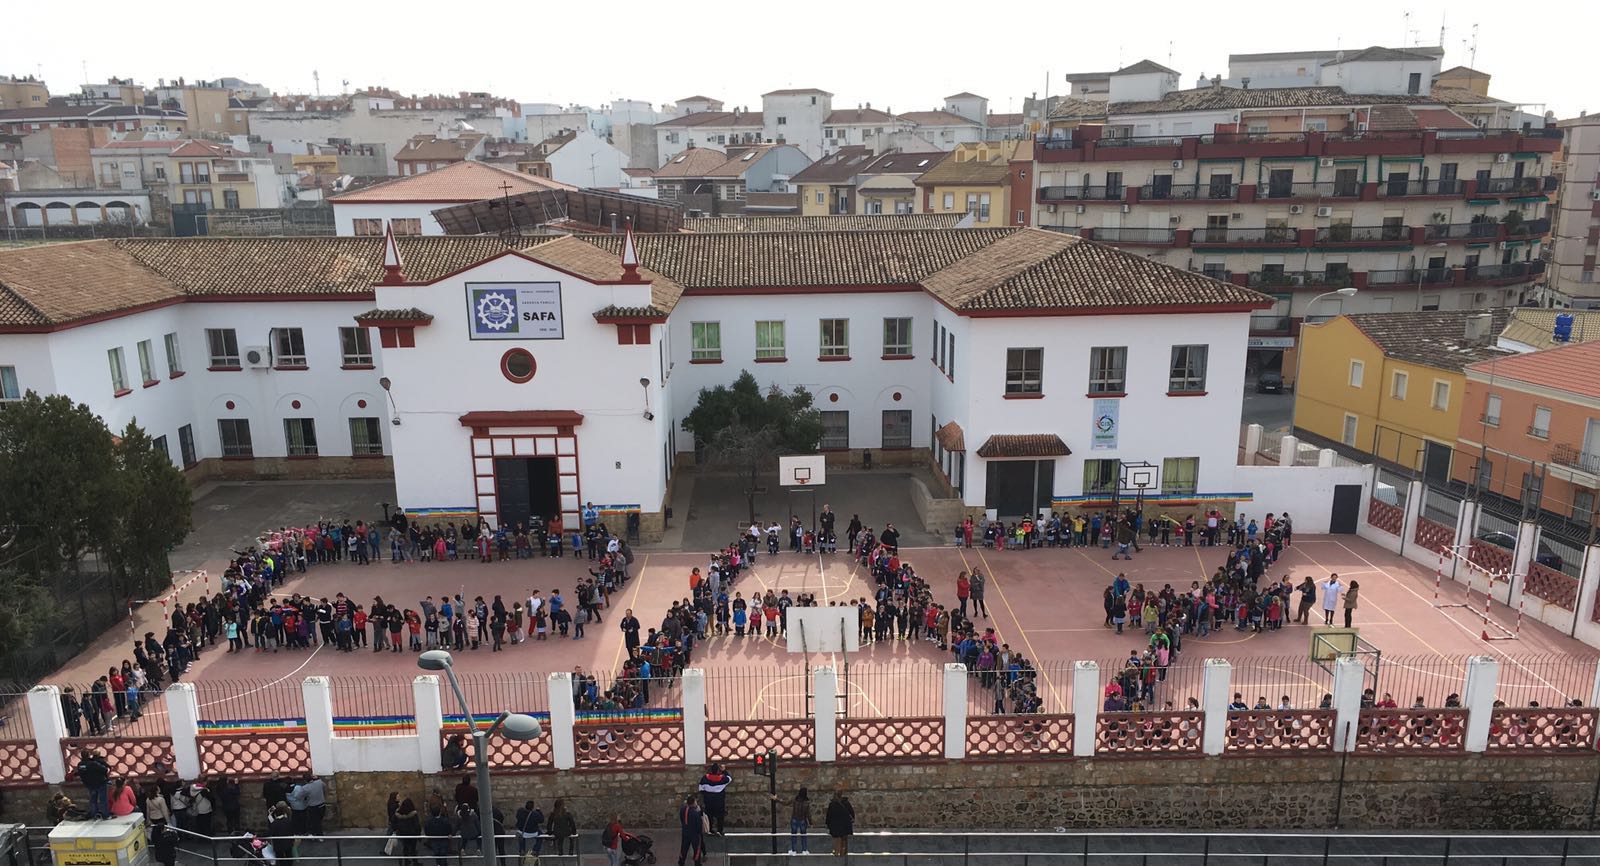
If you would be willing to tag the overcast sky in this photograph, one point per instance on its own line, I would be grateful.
(899, 55)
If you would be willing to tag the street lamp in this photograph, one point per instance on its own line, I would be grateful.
(1299, 352)
(516, 726)
(1422, 271)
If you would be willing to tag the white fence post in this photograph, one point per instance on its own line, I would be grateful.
(955, 711)
(1085, 708)
(1252, 442)
(1214, 691)
(825, 706)
(1288, 450)
(1483, 678)
(1326, 456)
(49, 729)
(1349, 679)
(317, 698)
(1408, 528)
(430, 722)
(183, 722)
(1527, 546)
(694, 716)
(563, 716)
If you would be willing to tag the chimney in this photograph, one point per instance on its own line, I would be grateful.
(1477, 328)
(1245, 81)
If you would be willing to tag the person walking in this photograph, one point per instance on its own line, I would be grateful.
(714, 788)
(692, 827)
(1350, 598)
(841, 820)
(1331, 590)
(800, 819)
(1308, 597)
(611, 840)
(563, 828)
(408, 826)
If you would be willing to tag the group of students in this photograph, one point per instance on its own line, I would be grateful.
(1107, 528)
(451, 828)
(119, 696)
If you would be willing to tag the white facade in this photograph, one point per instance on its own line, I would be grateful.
(295, 132)
(345, 215)
(33, 207)
(795, 117)
(588, 161)
(1381, 76)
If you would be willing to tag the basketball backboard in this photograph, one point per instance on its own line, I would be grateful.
(824, 629)
(802, 470)
(1139, 476)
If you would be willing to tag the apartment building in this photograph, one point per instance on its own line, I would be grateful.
(701, 123)
(888, 184)
(423, 153)
(1420, 200)
(753, 178)
(828, 186)
(22, 92)
(119, 120)
(1577, 223)
(974, 179)
(190, 171)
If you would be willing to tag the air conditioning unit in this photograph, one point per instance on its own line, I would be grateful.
(257, 357)
(1177, 163)
(1078, 208)
(1051, 207)
(1324, 211)
(1126, 208)
(1326, 162)
(1172, 220)
(1594, 194)
(1237, 217)
(1502, 157)
(1297, 209)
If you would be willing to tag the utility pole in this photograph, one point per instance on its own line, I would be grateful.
(766, 764)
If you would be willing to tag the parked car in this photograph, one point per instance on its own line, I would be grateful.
(1269, 383)
(1546, 557)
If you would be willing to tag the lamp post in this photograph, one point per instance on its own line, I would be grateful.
(516, 726)
(1299, 352)
(1422, 271)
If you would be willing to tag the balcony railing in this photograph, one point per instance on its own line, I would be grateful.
(1459, 231)
(1134, 235)
(1141, 141)
(1347, 234)
(1314, 189)
(1577, 458)
(1529, 227)
(1503, 185)
(1298, 279)
(1399, 188)
(1268, 235)
(1511, 271)
(1080, 193)
(1189, 192)
(1266, 323)
(1411, 277)
(1054, 143)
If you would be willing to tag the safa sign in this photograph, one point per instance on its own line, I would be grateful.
(514, 311)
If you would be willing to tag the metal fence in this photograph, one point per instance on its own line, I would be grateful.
(1391, 488)
(1441, 506)
(373, 706)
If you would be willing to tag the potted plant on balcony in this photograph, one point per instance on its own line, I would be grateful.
(1339, 232)
(1513, 223)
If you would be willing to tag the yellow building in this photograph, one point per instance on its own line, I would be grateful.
(26, 92)
(975, 178)
(888, 184)
(1391, 384)
(827, 187)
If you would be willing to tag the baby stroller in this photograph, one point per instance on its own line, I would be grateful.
(254, 850)
(636, 850)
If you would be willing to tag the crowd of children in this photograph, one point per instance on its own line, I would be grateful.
(1108, 527)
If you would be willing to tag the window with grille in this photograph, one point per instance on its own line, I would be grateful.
(223, 344)
(289, 345)
(770, 340)
(1108, 370)
(366, 436)
(1024, 371)
(835, 339)
(1180, 474)
(1188, 373)
(835, 430)
(235, 435)
(186, 446)
(897, 336)
(896, 428)
(300, 436)
(355, 345)
(705, 341)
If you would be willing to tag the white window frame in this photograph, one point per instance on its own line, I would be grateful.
(897, 344)
(220, 338)
(174, 355)
(1358, 373)
(1350, 432)
(1491, 410)
(1191, 373)
(147, 361)
(355, 347)
(119, 370)
(288, 347)
(1398, 384)
(1433, 398)
(1173, 472)
(1534, 428)
(827, 444)
(836, 345)
(705, 341)
(295, 441)
(372, 446)
(769, 348)
(235, 450)
(1019, 381)
(10, 389)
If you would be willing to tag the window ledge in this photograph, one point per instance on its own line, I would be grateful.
(176, 374)
(122, 392)
(1106, 394)
(358, 367)
(240, 457)
(302, 456)
(290, 367)
(1542, 437)
(224, 368)
(151, 383)
(378, 456)
(1038, 396)
(1186, 393)
(772, 360)
(833, 358)
(705, 360)
(898, 358)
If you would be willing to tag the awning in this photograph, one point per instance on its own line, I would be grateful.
(951, 437)
(536, 418)
(1023, 445)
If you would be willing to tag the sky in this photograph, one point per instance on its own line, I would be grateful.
(591, 53)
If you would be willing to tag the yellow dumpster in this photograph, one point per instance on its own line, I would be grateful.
(106, 842)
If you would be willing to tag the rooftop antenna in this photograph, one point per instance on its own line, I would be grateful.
(1406, 33)
(316, 83)
(1472, 49)
(1169, 52)
(1442, 17)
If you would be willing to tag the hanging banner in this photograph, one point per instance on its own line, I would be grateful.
(1105, 425)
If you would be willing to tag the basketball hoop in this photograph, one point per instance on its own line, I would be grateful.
(802, 475)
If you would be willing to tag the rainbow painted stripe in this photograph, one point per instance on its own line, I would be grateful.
(1102, 499)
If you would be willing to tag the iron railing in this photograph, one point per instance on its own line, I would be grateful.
(1502, 185)
(1296, 279)
(1347, 234)
(1574, 457)
(1411, 277)
(1459, 231)
(1266, 235)
(1134, 235)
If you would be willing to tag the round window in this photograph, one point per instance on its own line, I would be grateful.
(518, 365)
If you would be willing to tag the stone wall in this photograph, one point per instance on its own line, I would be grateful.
(282, 468)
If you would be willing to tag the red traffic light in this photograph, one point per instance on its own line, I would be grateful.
(765, 763)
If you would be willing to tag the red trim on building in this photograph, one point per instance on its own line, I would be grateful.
(527, 418)
(834, 358)
(358, 367)
(1023, 396)
(177, 375)
(897, 358)
(123, 393)
(290, 367)
(505, 365)
(1186, 393)
(771, 360)
(151, 383)
(705, 360)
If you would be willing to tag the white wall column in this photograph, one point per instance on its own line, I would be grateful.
(1085, 707)
(1477, 695)
(1408, 529)
(1252, 442)
(1527, 544)
(955, 711)
(1594, 691)
(1326, 456)
(1215, 690)
(49, 729)
(1588, 585)
(825, 704)
(563, 716)
(1349, 678)
(694, 716)
(183, 722)
(430, 722)
(317, 698)
(1288, 450)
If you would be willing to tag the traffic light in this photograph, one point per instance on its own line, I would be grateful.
(766, 763)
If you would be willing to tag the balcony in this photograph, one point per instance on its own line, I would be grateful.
(1299, 279)
(1417, 188)
(1575, 458)
(1267, 235)
(1268, 323)
(1134, 235)
(1528, 227)
(1054, 143)
(1463, 231)
(1509, 273)
(1412, 277)
(1348, 234)
(1313, 190)
(1080, 193)
(1511, 186)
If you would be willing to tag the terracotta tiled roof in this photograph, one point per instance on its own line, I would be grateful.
(992, 171)
(840, 222)
(407, 314)
(848, 116)
(1457, 71)
(1573, 369)
(431, 147)
(55, 283)
(836, 167)
(468, 180)
(740, 159)
(692, 162)
(698, 99)
(951, 437)
(1005, 119)
(1083, 109)
(193, 148)
(1436, 339)
(1233, 98)
(1023, 445)
(716, 118)
(616, 312)
(596, 263)
(902, 162)
(799, 91)
(1440, 118)
(937, 118)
